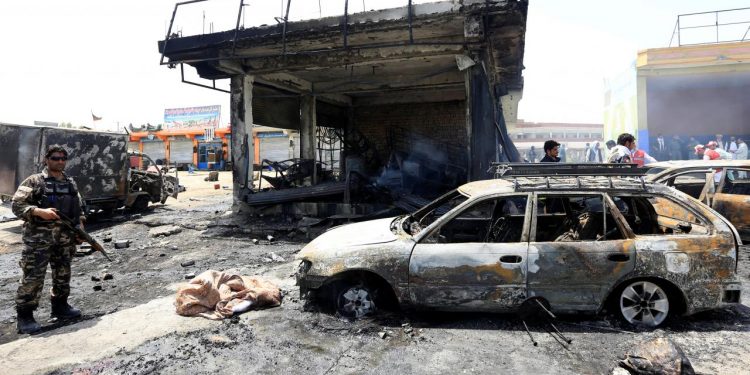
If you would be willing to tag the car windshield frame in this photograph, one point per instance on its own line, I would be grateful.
(427, 209)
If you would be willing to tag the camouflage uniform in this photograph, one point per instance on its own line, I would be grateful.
(46, 241)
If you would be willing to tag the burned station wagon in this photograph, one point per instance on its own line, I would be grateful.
(579, 243)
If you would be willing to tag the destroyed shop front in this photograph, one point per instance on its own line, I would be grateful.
(390, 105)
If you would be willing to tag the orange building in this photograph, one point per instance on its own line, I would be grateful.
(205, 149)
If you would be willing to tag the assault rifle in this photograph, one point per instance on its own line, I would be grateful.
(66, 222)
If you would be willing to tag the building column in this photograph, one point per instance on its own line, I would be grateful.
(241, 114)
(167, 150)
(641, 131)
(195, 152)
(308, 127)
(469, 156)
(480, 127)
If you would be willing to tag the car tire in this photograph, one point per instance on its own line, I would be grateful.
(644, 303)
(354, 300)
(140, 204)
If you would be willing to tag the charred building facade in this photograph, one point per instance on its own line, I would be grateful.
(418, 94)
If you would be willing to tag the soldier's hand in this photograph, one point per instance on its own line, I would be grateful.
(46, 213)
(79, 240)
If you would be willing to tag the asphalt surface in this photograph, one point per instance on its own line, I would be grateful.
(129, 326)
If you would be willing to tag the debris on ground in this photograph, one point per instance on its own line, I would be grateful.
(657, 356)
(84, 249)
(218, 295)
(122, 244)
(187, 263)
(306, 222)
(164, 231)
(275, 257)
(212, 176)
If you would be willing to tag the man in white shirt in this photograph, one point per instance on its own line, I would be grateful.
(741, 154)
(725, 155)
(720, 142)
(622, 152)
(732, 147)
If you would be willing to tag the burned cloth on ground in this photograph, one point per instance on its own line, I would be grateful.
(218, 295)
(657, 356)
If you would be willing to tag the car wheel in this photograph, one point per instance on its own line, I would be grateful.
(140, 204)
(644, 303)
(355, 301)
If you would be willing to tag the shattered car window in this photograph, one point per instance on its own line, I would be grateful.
(574, 218)
(674, 218)
(737, 182)
(690, 178)
(691, 183)
(657, 216)
(492, 220)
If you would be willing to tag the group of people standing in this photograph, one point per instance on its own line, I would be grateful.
(625, 150)
(675, 149)
(735, 149)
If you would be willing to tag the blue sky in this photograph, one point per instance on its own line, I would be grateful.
(64, 59)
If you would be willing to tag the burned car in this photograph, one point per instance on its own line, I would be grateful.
(581, 244)
(723, 185)
(148, 183)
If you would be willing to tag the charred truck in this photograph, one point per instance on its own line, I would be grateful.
(99, 163)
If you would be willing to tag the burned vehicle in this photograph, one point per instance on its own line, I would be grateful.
(580, 243)
(107, 175)
(723, 185)
(151, 185)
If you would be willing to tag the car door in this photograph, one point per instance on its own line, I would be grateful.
(732, 199)
(578, 251)
(474, 258)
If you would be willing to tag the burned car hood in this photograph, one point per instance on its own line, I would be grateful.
(365, 233)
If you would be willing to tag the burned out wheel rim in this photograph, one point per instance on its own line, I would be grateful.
(355, 302)
(644, 303)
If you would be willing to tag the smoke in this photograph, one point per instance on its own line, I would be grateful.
(699, 105)
(424, 169)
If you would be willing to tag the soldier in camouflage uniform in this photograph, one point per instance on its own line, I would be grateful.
(41, 201)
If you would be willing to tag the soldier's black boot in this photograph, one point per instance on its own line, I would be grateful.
(61, 309)
(26, 322)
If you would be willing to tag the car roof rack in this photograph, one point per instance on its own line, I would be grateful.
(505, 170)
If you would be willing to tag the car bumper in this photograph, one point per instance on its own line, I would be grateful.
(720, 296)
(305, 280)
